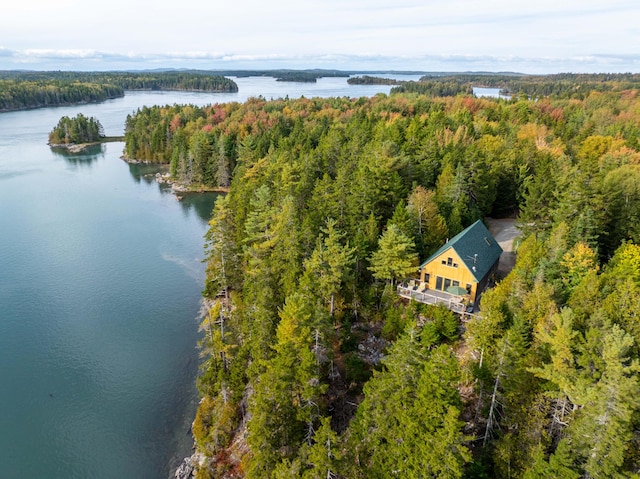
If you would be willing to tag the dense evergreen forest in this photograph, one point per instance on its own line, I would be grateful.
(563, 85)
(286, 74)
(76, 130)
(331, 202)
(303, 77)
(371, 80)
(21, 94)
(23, 90)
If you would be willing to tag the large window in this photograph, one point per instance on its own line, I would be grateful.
(443, 283)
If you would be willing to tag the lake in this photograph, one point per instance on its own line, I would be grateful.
(100, 279)
(489, 92)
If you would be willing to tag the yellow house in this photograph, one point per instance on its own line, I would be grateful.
(467, 261)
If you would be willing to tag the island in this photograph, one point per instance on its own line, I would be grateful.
(371, 80)
(77, 133)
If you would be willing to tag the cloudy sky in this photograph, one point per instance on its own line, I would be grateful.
(542, 36)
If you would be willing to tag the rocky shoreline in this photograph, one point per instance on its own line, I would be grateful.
(73, 147)
(188, 466)
(80, 147)
(177, 187)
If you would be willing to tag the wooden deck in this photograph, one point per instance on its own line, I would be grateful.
(430, 296)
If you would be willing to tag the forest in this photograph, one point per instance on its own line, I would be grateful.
(76, 130)
(23, 90)
(314, 368)
(22, 94)
(286, 74)
(562, 85)
(371, 80)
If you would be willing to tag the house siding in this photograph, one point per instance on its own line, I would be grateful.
(483, 283)
(435, 268)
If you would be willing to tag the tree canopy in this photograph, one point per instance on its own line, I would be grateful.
(78, 129)
(312, 371)
(21, 90)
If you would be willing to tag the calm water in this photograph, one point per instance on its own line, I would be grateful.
(100, 280)
(489, 92)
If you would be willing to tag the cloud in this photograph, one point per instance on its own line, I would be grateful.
(5, 52)
(61, 54)
(89, 59)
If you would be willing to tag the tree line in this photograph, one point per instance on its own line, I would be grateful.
(562, 85)
(22, 90)
(331, 201)
(76, 130)
(372, 80)
(25, 94)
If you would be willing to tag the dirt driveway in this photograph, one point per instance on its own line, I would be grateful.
(504, 230)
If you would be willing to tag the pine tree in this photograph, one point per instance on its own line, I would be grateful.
(395, 258)
(285, 405)
(325, 454)
(221, 251)
(559, 464)
(329, 264)
(408, 426)
(605, 425)
(432, 227)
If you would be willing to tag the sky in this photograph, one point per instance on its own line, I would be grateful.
(542, 36)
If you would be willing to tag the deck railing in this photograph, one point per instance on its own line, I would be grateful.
(430, 297)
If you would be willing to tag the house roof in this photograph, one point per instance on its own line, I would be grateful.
(476, 248)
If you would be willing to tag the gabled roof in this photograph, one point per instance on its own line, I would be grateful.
(476, 248)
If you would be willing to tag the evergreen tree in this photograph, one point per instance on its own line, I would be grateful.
(329, 264)
(408, 426)
(222, 255)
(395, 258)
(431, 226)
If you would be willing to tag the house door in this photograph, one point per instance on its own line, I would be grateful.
(447, 283)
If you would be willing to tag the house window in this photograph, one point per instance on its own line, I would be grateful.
(439, 283)
(468, 288)
(455, 265)
(444, 262)
(449, 261)
(456, 283)
(447, 283)
(427, 277)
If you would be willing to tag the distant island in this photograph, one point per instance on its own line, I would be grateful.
(371, 80)
(77, 133)
(310, 75)
(303, 77)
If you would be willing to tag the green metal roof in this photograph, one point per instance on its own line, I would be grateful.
(476, 247)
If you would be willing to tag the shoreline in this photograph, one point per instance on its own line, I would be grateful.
(80, 147)
(177, 187)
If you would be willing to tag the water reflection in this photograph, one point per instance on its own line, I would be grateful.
(80, 159)
(200, 203)
(142, 172)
